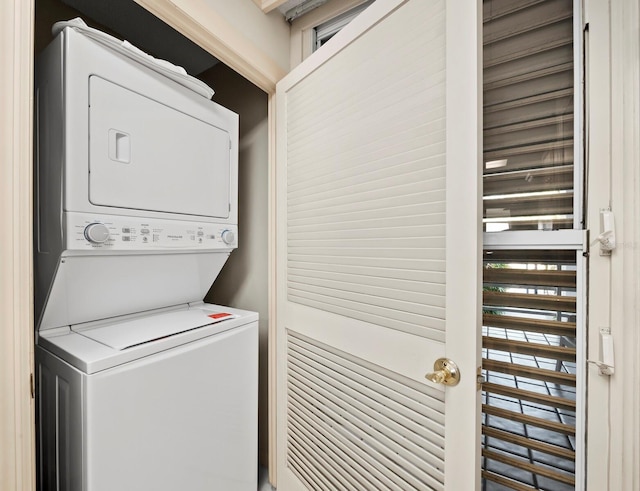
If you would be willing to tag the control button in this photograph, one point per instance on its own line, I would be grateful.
(126, 230)
(228, 237)
(144, 230)
(96, 233)
(200, 233)
(126, 238)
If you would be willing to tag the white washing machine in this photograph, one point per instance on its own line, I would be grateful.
(140, 385)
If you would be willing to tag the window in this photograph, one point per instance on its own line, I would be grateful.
(326, 30)
(533, 298)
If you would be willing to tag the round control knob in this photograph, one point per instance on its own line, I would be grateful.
(96, 233)
(228, 237)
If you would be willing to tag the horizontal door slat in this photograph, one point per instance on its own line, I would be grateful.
(358, 450)
(345, 200)
(382, 381)
(375, 229)
(415, 418)
(417, 453)
(435, 279)
(399, 263)
(324, 176)
(427, 327)
(417, 249)
(403, 285)
(304, 453)
(419, 297)
(380, 431)
(408, 306)
(346, 462)
(425, 210)
(359, 435)
(423, 169)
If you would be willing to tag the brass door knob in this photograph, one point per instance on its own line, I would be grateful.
(445, 372)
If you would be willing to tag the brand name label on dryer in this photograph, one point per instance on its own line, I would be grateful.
(130, 233)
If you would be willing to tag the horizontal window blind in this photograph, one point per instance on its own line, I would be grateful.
(529, 351)
(528, 114)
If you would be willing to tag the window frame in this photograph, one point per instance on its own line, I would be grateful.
(575, 238)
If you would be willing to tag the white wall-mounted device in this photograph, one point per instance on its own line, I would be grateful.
(607, 236)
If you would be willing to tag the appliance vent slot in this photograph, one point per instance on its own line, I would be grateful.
(366, 178)
(353, 425)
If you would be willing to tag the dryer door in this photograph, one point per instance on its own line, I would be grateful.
(146, 155)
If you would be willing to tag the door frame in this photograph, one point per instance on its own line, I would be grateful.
(17, 410)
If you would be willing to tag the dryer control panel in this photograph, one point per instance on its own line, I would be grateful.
(118, 233)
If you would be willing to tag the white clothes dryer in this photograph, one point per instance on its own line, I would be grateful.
(140, 385)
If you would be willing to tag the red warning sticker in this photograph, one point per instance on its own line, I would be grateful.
(219, 315)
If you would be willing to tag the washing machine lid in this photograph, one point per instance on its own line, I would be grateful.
(136, 332)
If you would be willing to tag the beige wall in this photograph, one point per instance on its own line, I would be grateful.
(268, 32)
(243, 282)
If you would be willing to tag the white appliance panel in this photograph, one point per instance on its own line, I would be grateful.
(89, 288)
(127, 234)
(59, 413)
(146, 155)
(182, 419)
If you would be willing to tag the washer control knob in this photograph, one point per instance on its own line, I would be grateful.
(228, 237)
(96, 233)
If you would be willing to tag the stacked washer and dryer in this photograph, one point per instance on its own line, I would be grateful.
(140, 385)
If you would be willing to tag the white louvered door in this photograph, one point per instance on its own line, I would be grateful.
(378, 253)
